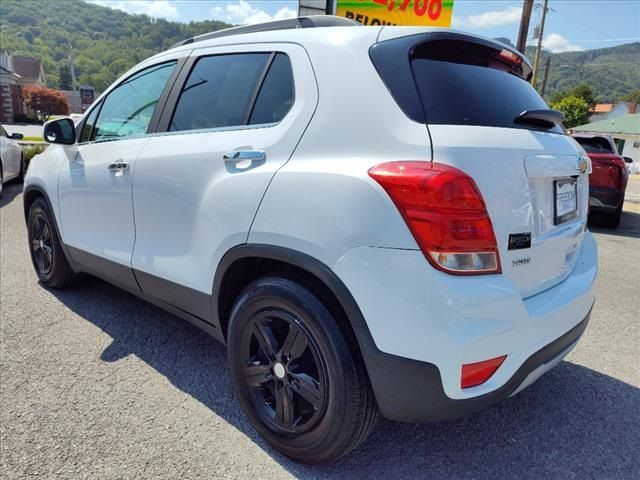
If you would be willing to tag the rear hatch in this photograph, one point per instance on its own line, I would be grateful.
(470, 93)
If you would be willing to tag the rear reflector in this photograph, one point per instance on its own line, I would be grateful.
(474, 374)
(445, 212)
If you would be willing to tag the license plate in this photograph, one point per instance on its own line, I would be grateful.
(566, 200)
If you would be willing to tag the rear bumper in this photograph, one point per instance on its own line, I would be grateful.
(605, 198)
(424, 325)
(411, 391)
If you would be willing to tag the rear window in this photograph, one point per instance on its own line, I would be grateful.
(460, 80)
(595, 144)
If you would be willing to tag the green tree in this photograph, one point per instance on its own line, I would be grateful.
(64, 76)
(584, 92)
(632, 96)
(575, 109)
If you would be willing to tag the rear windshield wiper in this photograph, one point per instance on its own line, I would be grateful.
(542, 118)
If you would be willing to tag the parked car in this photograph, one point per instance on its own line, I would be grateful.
(11, 158)
(608, 179)
(373, 220)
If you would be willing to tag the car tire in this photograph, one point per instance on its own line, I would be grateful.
(45, 247)
(301, 385)
(612, 220)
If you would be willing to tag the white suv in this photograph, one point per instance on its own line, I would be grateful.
(372, 219)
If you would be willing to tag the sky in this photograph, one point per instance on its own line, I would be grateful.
(571, 25)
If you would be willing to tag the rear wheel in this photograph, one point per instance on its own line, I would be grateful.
(45, 247)
(612, 220)
(295, 375)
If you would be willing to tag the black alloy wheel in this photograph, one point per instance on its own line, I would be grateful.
(304, 389)
(41, 241)
(284, 371)
(45, 247)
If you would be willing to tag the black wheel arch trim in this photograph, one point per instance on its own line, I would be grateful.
(297, 259)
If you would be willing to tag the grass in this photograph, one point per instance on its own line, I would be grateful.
(30, 151)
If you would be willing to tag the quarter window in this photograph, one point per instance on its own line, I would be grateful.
(235, 90)
(128, 109)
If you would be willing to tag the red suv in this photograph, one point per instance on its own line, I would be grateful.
(608, 179)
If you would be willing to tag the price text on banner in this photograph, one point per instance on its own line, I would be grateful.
(397, 12)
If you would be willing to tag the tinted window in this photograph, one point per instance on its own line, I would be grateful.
(219, 91)
(276, 94)
(128, 109)
(85, 134)
(3, 132)
(467, 84)
(595, 144)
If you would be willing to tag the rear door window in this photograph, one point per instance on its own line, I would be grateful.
(234, 90)
(276, 94)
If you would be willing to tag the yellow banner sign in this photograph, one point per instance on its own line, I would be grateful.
(397, 12)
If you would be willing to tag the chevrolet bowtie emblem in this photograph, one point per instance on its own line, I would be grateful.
(582, 165)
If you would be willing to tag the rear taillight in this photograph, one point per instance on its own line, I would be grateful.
(445, 213)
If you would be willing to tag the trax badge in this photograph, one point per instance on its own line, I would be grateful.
(519, 240)
(521, 261)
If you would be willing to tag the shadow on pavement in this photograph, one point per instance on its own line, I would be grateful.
(629, 225)
(10, 191)
(573, 423)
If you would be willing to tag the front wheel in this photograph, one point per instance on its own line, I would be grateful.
(45, 247)
(298, 381)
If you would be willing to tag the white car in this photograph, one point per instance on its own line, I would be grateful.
(372, 219)
(11, 159)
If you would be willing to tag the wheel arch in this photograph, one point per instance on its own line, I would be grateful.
(243, 264)
(30, 194)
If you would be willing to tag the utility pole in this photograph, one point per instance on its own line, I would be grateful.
(539, 46)
(546, 76)
(330, 8)
(524, 25)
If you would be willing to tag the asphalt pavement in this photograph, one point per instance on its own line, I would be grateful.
(97, 384)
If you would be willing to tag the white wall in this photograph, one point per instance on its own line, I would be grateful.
(629, 150)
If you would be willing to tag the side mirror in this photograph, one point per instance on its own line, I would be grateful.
(627, 159)
(61, 131)
(16, 136)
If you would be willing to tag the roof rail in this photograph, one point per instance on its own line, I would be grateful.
(288, 24)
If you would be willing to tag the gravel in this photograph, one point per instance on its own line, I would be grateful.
(95, 383)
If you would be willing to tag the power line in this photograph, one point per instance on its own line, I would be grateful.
(606, 35)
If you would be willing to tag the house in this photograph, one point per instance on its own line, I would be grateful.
(625, 131)
(30, 69)
(81, 100)
(11, 101)
(16, 72)
(599, 111)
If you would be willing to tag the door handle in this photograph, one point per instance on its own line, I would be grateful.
(240, 155)
(118, 166)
